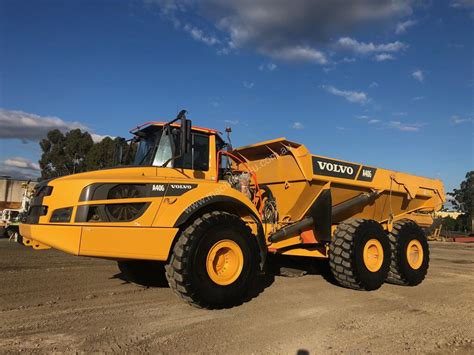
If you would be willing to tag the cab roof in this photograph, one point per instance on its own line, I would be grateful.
(157, 123)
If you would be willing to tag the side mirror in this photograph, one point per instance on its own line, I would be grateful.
(185, 135)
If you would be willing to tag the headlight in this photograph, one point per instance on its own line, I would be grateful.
(61, 215)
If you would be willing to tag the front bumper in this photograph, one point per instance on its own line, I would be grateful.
(107, 242)
(65, 238)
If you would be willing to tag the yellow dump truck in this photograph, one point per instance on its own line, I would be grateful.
(212, 214)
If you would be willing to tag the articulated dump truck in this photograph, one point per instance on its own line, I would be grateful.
(212, 215)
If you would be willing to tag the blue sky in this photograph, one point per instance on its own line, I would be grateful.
(385, 83)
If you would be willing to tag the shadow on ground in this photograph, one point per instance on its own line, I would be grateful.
(288, 266)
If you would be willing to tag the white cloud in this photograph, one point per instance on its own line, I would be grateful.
(30, 127)
(396, 125)
(462, 4)
(383, 57)
(400, 113)
(347, 60)
(418, 75)
(341, 128)
(351, 96)
(97, 137)
(22, 163)
(248, 84)
(402, 27)
(350, 44)
(232, 122)
(418, 98)
(406, 127)
(267, 66)
(374, 84)
(299, 54)
(289, 30)
(297, 125)
(458, 120)
(19, 168)
(200, 36)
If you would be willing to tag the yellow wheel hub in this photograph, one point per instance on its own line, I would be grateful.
(415, 254)
(373, 255)
(224, 262)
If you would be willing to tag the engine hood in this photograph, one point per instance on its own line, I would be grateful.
(118, 173)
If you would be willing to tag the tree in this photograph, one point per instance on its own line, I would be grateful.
(104, 154)
(462, 201)
(449, 224)
(75, 152)
(101, 154)
(64, 154)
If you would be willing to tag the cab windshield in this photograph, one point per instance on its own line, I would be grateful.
(156, 148)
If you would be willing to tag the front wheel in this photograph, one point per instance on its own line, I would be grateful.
(214, 262)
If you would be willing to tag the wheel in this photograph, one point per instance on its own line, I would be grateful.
(214, 262)
(143, 272)
(410, 254)
(359, 254)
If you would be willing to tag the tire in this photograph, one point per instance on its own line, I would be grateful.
(193, 269)
(143, 272)
(408, 270)
(359, 254)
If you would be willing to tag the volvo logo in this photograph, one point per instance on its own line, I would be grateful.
(329, 167)
(181, 187)
(337, 168)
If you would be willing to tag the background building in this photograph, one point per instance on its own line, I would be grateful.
(11, 192)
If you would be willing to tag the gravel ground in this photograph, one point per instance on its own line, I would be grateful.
(51, 301)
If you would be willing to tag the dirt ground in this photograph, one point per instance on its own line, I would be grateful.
(51, 301)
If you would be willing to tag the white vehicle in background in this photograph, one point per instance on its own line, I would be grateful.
(9, 223)
(10, 219)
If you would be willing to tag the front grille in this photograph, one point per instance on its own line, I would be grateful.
(114, 212)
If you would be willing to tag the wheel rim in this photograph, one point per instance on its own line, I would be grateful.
(224, 262)
(373, 255)
(415, 254)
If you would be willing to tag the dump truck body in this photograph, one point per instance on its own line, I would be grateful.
(298, 178)
(212, 213)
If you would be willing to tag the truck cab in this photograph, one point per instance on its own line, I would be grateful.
(157, 145)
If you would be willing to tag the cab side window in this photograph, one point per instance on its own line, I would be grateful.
(198, 158)
(200, 152)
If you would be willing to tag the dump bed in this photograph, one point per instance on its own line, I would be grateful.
(296, 177)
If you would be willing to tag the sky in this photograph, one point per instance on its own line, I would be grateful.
(381, 82)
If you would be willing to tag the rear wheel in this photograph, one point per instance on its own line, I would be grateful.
(359, 254)
(410, 254)
(214, 261)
